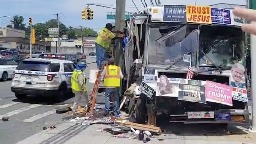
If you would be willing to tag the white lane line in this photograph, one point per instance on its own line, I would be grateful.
(8, 105)
(39, 116)
(45, 135)
(15, 112)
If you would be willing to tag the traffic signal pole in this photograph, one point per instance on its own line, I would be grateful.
(252, 4)
(30, 42)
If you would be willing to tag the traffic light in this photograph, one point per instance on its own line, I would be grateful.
(33, 36)
(89, 14)
(84, 14)
(30, 21)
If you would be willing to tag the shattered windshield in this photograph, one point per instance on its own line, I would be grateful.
(172, 46)
(220, 46)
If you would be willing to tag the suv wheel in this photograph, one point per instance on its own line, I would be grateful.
(21, 96)
(4, 76)
(62, 94)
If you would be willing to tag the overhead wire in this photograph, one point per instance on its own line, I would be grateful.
(142, 3)
(145, 3)
(152, 3)
(135, 5)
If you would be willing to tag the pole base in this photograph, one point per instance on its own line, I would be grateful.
(252, 130)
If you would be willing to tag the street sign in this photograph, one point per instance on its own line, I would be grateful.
(53, 31)
(112, 15)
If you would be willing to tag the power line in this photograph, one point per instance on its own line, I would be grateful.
(145, 3)
(151, 1)
(142, 3)
(135, 5)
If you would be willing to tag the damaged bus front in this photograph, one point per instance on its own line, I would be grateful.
(194, 73)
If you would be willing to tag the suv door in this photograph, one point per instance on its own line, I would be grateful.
(68, 70)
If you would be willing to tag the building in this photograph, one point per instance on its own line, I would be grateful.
(13, 38)
(74, 46)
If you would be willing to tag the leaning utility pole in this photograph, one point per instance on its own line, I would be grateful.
(58, 21)
(119, 26)
(253, 72)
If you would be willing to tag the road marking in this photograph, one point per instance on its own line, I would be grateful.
(8, 105)
(39, 116)
(15, 112)
(50, 135)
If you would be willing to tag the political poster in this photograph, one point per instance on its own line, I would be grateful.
(238, 83)
(220, 16)
(218, 93)
(174, 13)
(198, 14)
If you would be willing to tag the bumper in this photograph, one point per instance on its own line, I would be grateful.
(34, 91)
(234, 116)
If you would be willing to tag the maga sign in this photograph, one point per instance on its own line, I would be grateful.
(198, 14)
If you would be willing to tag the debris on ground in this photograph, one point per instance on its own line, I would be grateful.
(50, 127)
(5, 118)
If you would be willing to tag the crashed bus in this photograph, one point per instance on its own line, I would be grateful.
(187, 64)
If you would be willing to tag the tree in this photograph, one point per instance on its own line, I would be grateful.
(41, 31)
(71, 33)
(17, 22)
(53, 23)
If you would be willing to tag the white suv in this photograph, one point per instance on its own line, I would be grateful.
(43, 77)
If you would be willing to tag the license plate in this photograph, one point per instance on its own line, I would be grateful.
(237, 118)
(200, 115)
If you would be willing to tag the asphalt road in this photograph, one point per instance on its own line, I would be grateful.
(27, 119)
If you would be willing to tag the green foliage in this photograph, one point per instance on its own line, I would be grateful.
(42, 29)
(18, 22)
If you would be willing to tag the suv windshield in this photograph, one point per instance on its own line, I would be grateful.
(172, 45)
(38, 66)
(220, 46)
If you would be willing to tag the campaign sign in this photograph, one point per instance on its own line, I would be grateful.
(220, 16)
(174, 13)
(147, 90)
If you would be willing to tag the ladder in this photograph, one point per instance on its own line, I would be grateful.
(95, 90)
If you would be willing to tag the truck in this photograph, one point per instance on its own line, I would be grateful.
(188, 64)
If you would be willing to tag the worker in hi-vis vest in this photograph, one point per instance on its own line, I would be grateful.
(78, 85)
(103, 43)
(111, 77)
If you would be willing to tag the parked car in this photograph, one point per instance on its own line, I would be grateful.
(7, 68)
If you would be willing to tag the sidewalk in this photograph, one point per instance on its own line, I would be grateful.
(92, 135)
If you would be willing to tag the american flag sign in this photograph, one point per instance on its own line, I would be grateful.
(190, 73)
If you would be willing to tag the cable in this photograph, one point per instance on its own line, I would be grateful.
(145, 3)
(142, 3)
(135, 6)
(151, 1)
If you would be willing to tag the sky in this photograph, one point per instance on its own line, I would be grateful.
(43, 10)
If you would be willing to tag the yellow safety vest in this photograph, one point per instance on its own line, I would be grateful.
(74, 81)
(104, 38)
(112, 76)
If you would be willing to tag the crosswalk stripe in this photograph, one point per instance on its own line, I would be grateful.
(15, 112)
(8, 105)
(39, 116)
(46, 135)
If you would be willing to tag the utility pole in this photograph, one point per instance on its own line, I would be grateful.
(58, 21)
(252, 4)
(119, 26)
(82, 46)
(30, 42)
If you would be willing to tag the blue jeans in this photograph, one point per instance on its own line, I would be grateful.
(100, 55)
(108, 93)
